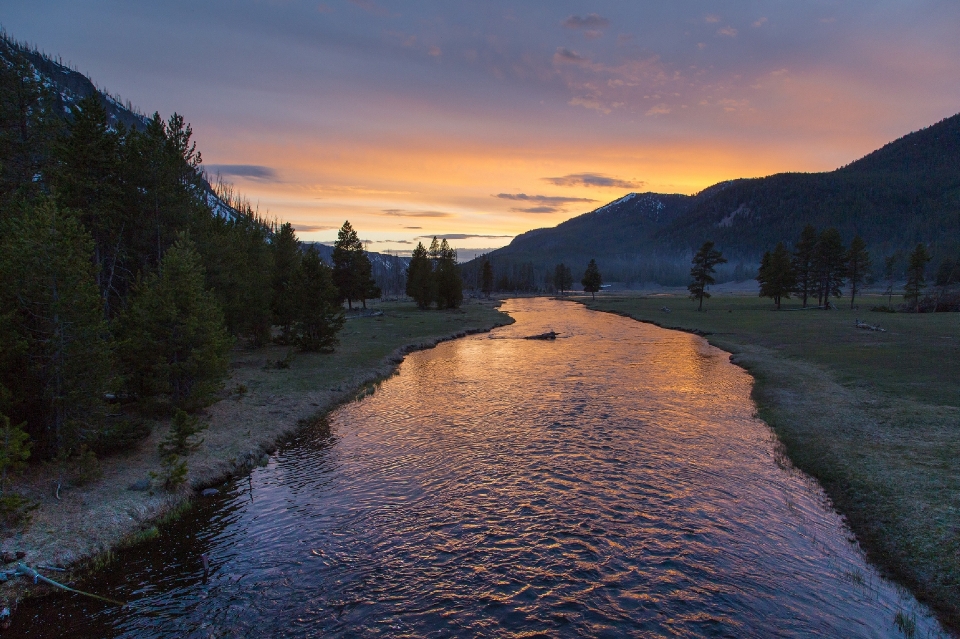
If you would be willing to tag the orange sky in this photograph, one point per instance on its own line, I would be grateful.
(484, 120)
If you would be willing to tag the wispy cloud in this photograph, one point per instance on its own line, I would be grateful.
(550, 200)
(250, 171)
(591, 22)
(414, 228)
(537, 209)
(459, 236)
(311, 228)
(713, 19)
(760, 22)
(593, 179)
(405, 213)
(727, 31)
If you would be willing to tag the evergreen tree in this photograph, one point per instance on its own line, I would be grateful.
(776, 275)
(420, 280)
(858, 264)
(702, 270)
(287, 259)
(239, 267)
(830, 266)
(486, 279)
(591, 279)
(318, 311)
(449, 280)
(29, 123)
(60, 367)
(346, 265)
(562, 277)
(368, 286)
(803, 257)
(916, 281)
(87, 180)
(171, 337)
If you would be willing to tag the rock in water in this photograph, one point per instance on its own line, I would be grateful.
(548, 335)
(210, 492)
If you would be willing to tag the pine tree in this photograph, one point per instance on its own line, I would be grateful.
(48, 281)
(776, 276)
(171, 337)
(562, 277)
(830, 266)
(318, 311)
(486, 279)
(449, 279)
(87, 180)
(420, 280)
(367, 285)
(591, 279)
(287, 258)
(916, 281)
(702, 271)
(858, 264)
(803, 257)
(346, 265)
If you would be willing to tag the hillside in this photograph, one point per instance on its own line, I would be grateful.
(904, 193)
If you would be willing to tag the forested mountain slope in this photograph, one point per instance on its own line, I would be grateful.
(904, 193)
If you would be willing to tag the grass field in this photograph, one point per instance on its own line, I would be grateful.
(874, 416)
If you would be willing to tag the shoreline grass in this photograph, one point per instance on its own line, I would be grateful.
(873, 416)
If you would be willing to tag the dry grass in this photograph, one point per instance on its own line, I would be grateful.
(875, 417)
(87, 521)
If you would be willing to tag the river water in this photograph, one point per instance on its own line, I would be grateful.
(613, 482)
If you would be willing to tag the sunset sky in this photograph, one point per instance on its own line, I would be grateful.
(481, 120)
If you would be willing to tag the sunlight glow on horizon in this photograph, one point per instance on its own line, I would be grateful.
(430, 118)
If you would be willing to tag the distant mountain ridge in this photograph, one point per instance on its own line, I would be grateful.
(906, 192)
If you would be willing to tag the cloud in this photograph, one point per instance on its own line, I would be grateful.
(591, 22)
(564, 54)
(549, 200)
(434, 51)
(323, 8)
(760, 22)
(537, 209)
(388, 241)
(414, 228)
(251, 171)
(593, 179)
(459, 236)
(403, 213)
(711, 19)
(310, 228)
(727, 31)
(659, 109)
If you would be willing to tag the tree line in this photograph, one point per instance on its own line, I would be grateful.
(121, 292)
(820, 266)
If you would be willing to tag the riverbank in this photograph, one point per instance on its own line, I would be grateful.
(263, 404)
(873, 416)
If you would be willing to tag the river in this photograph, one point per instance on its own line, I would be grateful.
(612, 482)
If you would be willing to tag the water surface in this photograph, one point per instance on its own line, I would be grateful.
(613, 482)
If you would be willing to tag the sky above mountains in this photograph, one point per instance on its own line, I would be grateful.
(481, 120)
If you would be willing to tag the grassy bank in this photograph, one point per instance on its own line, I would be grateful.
(262, 402)
(874, 416)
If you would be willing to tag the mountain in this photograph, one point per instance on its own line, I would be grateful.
(904, 193)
